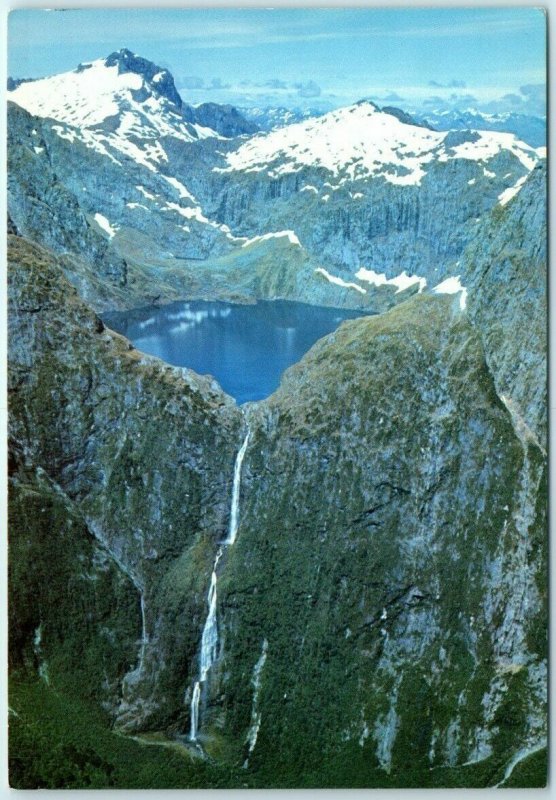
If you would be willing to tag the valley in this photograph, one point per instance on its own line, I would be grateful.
(277, 443)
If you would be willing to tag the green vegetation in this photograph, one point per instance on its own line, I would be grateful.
(531, 773)
(59, 741)
(388, 512)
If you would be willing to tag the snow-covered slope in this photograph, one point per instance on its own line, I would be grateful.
(124, 104)
(362, 141)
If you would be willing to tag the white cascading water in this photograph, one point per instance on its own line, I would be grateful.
(234, 511)
(144, 636)
(209, 638)
(256, 716)
(195, 711)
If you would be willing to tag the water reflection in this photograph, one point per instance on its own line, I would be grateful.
(246, 348)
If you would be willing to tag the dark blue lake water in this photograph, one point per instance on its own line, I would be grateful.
(246, 348)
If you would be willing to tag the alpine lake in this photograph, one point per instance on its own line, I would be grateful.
(245, 347)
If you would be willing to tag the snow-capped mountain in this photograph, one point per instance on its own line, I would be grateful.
(124, 103)
(367, 189)
(362, 193)
(361, 141)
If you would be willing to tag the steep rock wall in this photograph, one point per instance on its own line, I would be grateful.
(140, 452)
(505, 270)
(392, 556)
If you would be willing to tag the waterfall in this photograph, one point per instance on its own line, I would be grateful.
(256, 715)
(234, 511)
(209, 638)
(195, 711)
(37, 647)
(144, 635)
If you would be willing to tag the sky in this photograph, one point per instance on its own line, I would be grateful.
(493, 59)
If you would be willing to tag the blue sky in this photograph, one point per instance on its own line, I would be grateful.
(490, 58)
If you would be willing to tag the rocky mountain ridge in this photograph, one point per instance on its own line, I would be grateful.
(194, 205)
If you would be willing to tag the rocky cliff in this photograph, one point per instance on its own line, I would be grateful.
(392, 561)
(121, 474)
(505, 270)
(382, 614)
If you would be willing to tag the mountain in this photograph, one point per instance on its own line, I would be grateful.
(225, 119)
(198, 214)
(365, 189)
(379, 616)
(122, 97)
(268, 118)
(354, 597)
(526, 127)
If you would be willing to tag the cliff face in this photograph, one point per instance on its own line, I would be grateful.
(391, 563)
(382, 614)
(140, 456)
(506, 274)
(177, 226)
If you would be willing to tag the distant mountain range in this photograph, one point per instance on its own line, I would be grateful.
(526, 127)
(268, 118)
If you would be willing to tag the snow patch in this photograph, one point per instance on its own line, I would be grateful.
(507, 194)
(401, 282)
(280, 235)
(189, 213)
(145, 193)
(453, 286)
(339, 282)
(103, 223)
(183, 192)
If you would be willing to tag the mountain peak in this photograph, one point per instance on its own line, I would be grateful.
(366, 102)
(160, 80)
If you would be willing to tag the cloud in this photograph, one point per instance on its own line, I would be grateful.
(463, 99)
(216, 84)
(434, 100)
(535, 96)
(191, 82)
(309, 89)
(531, 100)
(452, 102)
(453, 84)
(512, 99)
(275, 83)
(392, 97)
